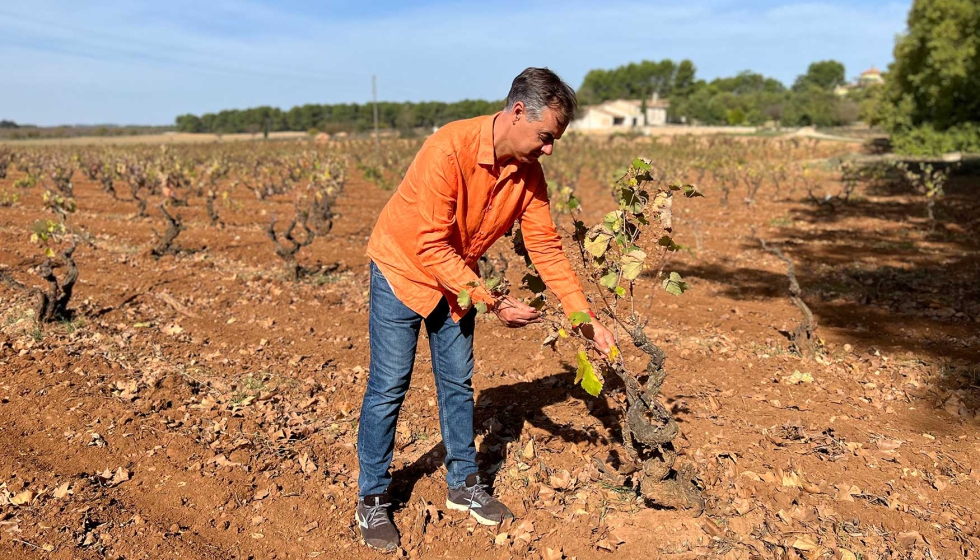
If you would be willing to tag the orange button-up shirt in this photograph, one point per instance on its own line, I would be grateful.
(452, 205)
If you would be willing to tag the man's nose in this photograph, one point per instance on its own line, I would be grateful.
(547, 149)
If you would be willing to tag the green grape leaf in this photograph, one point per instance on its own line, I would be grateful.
(690, 191)
(481, 307)
(534, 283)
(632, 264)
(579, 317)
(632, 199)
(463, 299)
(641, 165)
(610, 279)
(613, 220)
(537, 302)
(674, 284)
(667, 242)
(620, 291)
(586, 375)
(492, 282)
(573, 202)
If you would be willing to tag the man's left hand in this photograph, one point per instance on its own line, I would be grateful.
(600, 335)
(513, 314)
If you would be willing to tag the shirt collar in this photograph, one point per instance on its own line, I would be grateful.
(485, 155)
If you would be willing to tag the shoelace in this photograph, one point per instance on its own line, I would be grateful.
(376, 515)
(479, 495)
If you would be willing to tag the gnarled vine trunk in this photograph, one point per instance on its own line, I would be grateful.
(649, 432)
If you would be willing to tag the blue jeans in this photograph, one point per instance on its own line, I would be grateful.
(394, 333)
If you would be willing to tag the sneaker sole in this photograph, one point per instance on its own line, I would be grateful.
(479, 518)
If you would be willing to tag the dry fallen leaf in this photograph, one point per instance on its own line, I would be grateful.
(528, 452)
(910, 539)
(791, 480)
(307, 464)
(62, 491)
(751, 476)
(606, 545)
(552, 554)
(714, 404)
(121, 475)
(797, 378)
(805, 544)
(22, 498)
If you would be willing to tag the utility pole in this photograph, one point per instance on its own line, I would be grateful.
(377, 137)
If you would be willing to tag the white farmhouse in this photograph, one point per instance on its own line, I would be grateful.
(621, 114)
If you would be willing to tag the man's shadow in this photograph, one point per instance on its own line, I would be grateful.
(500, 415)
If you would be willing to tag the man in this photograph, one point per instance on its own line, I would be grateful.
(466, 187)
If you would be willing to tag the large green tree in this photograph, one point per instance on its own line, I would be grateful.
(825, 75)
(931, 98)
(637, 81)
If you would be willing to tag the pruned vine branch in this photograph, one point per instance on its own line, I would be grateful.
(804, 337)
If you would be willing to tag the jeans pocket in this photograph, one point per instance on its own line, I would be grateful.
(379, 277)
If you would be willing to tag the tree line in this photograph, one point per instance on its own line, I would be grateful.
(748, 98)
(343, 117)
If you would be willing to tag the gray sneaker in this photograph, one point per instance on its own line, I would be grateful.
(377, 529)
(474, 498)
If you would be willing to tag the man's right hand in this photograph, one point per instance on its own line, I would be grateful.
(513, 314)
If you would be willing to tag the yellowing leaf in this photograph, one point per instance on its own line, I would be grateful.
(597, 241)
(562, 333)
(613, 352)
(632, 264)
(463, 299)
(586, 374)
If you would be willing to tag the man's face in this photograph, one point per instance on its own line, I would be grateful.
(535, 138)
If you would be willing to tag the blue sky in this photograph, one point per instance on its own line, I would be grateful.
(124, 62)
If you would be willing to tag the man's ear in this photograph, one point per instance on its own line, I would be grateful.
(519, 111)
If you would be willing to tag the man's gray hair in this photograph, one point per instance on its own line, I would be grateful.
(538, 88)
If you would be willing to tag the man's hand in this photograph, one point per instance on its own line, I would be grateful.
(513, 314)
(598, 334)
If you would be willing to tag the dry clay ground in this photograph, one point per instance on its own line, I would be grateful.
(200, 406)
